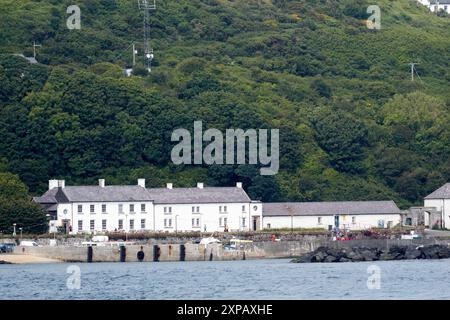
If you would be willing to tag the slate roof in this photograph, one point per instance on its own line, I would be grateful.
(330, 208)
(137, 193)
(441, 193)
(440, 2)
(196, 195)
(52, 196)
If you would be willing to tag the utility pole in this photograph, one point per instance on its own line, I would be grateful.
(34, 48)
(134, 54)
(413, 69)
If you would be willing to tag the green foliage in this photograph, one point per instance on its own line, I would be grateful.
(352, 124)
(16, 207)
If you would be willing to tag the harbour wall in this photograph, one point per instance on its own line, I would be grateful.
(198, 252)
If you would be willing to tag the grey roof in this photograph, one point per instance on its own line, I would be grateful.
(197, 195)
(137, 193)
(440, 1)
(52, 196)
(106, 194)
(441, 193)
(330, 208)
(95, 194)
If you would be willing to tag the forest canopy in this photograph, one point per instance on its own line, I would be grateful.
(353, 126)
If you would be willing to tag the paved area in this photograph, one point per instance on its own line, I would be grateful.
(25, 259)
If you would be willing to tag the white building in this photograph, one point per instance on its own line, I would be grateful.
(440, 199)
(437, 5)
(347, 215)
(95, 209)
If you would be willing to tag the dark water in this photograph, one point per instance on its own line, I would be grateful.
(261, 279)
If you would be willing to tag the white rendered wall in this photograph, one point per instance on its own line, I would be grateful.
(442, 205)
(352, 222)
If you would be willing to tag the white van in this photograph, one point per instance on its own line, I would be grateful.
(28, 244)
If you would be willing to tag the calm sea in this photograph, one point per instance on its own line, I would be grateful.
(259, 279)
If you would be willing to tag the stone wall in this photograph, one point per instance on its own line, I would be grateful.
(198, 252)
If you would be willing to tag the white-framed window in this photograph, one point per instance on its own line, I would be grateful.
(170, 222)
(120, 208)
(80, 225)
(80, 208)
(225, 221)
(243, 208)
(319, 220)
(168, 210)
(131, 224)
(66, 211)
(193, 209)
(198, 209)
(196, 223)
(220, 208)
(103, 225)
(225, 209)
(103, 208)
(269, 226)
(131, 208)
(92, 208)
(143, 207)
(92, 225)
(220, 222)
(243, 221)
(167, 223)
(120, 224)
(353, 220)
(143, 224)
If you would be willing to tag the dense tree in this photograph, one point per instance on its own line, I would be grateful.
(352, 124)
(16, 207)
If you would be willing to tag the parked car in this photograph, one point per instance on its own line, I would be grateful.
(28, 244)
(7, 247)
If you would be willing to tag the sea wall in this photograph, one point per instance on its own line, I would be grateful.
(198, 252)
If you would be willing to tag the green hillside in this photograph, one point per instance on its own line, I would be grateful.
(353, 126)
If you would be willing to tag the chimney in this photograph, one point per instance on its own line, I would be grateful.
(170, 186)
(141, 183)
(52, 184)
(239, 185)
(200, 185)
(101, 183)
(62, 184)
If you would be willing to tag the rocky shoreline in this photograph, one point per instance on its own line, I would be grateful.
(356, 254)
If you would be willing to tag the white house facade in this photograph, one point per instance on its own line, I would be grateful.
(102, 208)
(440, 200)
(97, 209)
(437, 5)
(346, 215)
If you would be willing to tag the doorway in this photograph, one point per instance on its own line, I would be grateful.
(256, 224)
